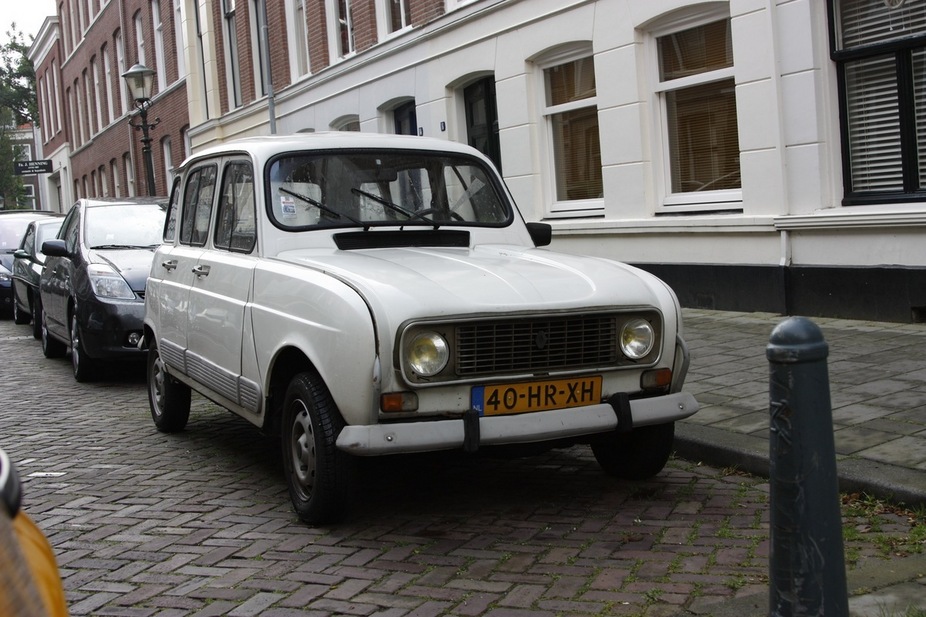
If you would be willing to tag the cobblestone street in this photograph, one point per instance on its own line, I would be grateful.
(199, 523)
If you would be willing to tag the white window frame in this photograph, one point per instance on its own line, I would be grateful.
(452, 5)
(562, 55)
(117, 186)
(667, 201)
(56, 96)
(121, 68)
(384, 19)
(104, 181)
(129, 174)
(343, 123)
(97, 93)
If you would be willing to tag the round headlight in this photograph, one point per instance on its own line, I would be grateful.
(637, 338)
(428, 354)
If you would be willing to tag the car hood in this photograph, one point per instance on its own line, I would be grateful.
(133, 264)
(435, 281)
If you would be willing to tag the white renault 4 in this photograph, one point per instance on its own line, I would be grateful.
(364, 295)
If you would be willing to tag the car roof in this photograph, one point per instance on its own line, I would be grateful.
(94, 202)
(266, 146)
(27, 213)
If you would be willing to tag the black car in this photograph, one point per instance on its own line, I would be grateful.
(13, 224)
(93, 283)
(28, 262)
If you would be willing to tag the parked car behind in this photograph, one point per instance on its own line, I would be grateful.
(13, 224)
(93, 283)
(28, 261)
(368, 294)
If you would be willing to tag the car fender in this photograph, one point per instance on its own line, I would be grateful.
(327, 321)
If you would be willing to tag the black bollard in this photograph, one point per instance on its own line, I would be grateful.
(807, 572)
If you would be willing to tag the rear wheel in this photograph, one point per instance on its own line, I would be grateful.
(85, 367)
(640, 454)
(168, 398)
(316, 471)
(51, 348)
(37, 317)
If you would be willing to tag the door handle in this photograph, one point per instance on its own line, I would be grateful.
(201, 270)
(169, 265)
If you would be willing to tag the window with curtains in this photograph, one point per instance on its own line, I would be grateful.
(400, 14)
(880, 52)
(697, 99)
(571, 114)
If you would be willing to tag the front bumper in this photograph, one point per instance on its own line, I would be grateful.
(379, 439)
(105, 329)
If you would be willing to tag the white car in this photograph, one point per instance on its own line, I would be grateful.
(364, 295)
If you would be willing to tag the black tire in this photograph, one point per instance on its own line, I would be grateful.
(85, 367)
(168, 398)
(51, 348)
(18, 316)
(317, 473)
(640, 454)
(37, 317)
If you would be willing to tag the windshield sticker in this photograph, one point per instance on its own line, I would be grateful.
(288, 205)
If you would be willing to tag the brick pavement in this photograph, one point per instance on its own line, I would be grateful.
(198, 523)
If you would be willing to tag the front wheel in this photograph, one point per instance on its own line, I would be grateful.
(316, 471)
(637, 455)
(168, 398)
(37, 317)
(85, 367)
(51, 348)
(19, 317)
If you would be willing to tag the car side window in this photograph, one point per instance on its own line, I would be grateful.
(197, 205)
(170, 222)
(70, 230)
(235, 221)
(28, 244)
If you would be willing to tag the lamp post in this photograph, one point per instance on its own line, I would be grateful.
(140, 80)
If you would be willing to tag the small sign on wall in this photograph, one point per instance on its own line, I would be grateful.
(24, 168)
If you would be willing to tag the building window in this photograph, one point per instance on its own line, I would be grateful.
(129, 175)
(104, 182)
(350, 122)
(257, 54)
(697, 102)
(400, 14)
(27, 201)
(121, 68)
(481, 109)
(139, 39)
(159, 61)
(299, 52)
(344, 28)
(97, 94)
(108, 78)
(180, 52)
(880, 55)
(233, 71)
(571, 115)
(114, 172)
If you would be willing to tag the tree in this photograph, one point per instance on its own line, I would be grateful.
(18, 106)
(17, 79)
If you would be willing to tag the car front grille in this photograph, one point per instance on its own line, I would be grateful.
(533, 345)
(528, 345)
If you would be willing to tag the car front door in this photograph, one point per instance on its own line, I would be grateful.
(56, 277)
(221, 288)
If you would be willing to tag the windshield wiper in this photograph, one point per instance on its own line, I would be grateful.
(383, 202)
(118, 246)
(322, 207)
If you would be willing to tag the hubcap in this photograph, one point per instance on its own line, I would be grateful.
(157, 385)
(75, 344)
(302, 447)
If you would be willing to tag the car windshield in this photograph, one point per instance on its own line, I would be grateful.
(372, 188)
(124, 226)
(11, 234)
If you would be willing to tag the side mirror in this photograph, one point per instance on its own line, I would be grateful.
(541, 233)
(55, 248)
(20, 254)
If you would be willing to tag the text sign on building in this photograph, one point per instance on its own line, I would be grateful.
(24, 168)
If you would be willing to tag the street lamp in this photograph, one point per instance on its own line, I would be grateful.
(140, 80)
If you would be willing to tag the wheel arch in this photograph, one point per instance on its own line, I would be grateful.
(288, 362)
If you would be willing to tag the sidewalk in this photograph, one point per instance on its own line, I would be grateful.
(877, 376)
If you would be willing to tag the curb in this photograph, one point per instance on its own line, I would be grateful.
(722, 448)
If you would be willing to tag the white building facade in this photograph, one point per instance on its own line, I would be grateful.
(758, 155)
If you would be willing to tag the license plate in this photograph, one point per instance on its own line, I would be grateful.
(536, 396)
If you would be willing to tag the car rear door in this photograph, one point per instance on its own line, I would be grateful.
(221, 288)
